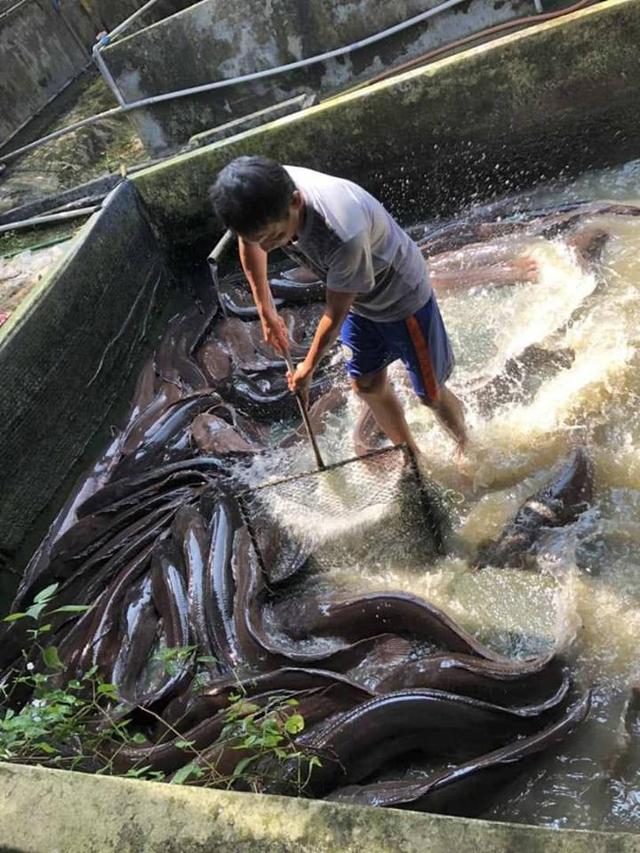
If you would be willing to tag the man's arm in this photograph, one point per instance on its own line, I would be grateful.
(336, 309)
(254, 264)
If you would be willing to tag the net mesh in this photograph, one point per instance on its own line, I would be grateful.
(375, 509)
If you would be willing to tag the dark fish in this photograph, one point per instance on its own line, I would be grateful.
(220, 581)
(520, 378)
(359, 617)
(201, 470)
(103, 637)
(465, 789)
(293, 679)
(267, 396)
(174, 360)
(547, 222)
(171, 601)
(312, 705)
(530, 686)
(173, 754)
(236, 299)
(214, 435)
(356, 744)
(557, 504)
(35, 576)
(140, 628)
(297, 292)
(235, 336)
(176, 419)
(226, 430)
(166, 394)
(297, 351)
(260, 631)
(91, 532)
(144, 392)
(214, 360)
(191, 536)
(300, 275)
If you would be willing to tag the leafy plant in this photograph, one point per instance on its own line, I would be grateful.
(81, 724)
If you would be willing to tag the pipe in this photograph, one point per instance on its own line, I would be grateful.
(52, 217)
(125, 24)
(220, 84)
(12, 8)
(311, 60)
(106, 74)
(36, 246)
(108, 39)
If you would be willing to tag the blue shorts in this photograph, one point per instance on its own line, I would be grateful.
(420, 341)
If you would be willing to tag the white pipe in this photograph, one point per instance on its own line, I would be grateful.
(125, 24)
(51, 217)
(106, 74)
(108, 39)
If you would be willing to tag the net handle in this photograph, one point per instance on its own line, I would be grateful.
(306, 419)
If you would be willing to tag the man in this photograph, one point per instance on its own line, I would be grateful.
(379, 296)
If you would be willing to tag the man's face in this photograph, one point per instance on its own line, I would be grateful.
(278, 233)
(273, 235)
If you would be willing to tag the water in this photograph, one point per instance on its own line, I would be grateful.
(585, 599)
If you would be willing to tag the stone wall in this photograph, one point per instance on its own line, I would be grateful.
(215, 39)
(553, 99)
(44, 45)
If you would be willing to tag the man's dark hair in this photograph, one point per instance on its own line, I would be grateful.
(251, 192)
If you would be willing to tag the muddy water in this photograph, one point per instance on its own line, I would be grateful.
(585, 598)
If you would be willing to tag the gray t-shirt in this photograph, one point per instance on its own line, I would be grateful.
(350, 241)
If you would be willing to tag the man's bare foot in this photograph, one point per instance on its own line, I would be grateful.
(460, 454)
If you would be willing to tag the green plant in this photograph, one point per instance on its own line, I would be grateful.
(81, 724)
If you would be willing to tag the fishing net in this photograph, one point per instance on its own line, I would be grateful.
(375, 509)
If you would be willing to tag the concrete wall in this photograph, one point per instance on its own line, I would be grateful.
(65, 354)
(44, 46)
(75, 813)
(554, 99)
(215, 39)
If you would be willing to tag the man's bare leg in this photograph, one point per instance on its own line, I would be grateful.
(449, 412)
(378, 393)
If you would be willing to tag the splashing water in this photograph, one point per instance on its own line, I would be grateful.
(585, 598)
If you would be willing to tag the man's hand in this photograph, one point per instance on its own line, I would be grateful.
(300, 380)
(275, 332)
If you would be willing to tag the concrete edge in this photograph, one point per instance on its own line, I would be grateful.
(77, 812)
